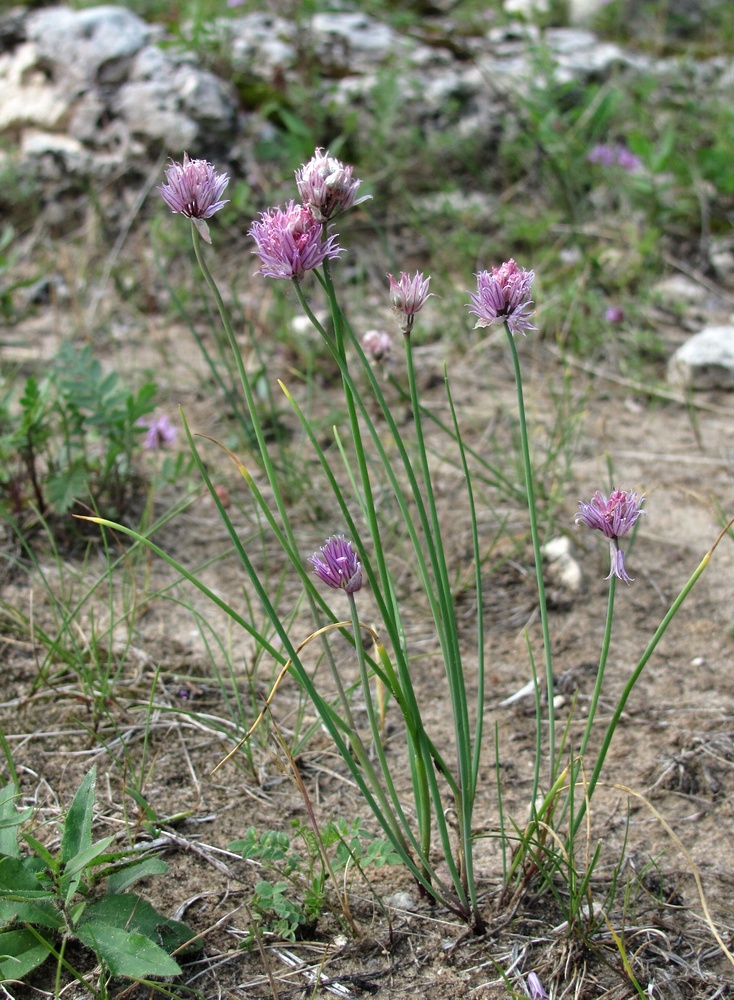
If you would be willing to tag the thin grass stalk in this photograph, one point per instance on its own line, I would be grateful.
(257, 428)
(634, 676)
(452, 654)
(423, 802)
(530, 491)
(354, 400)
(479, 726)
(602, 666)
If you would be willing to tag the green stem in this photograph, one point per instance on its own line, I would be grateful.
(452, 654)
(651, 646)
(536, 555)
(602, 666)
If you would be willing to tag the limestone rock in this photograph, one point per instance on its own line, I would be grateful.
(705, 361)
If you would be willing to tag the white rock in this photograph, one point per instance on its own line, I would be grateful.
(93, 44)
(27, 96)
(679, 289)
(705, 361)
(562, 567)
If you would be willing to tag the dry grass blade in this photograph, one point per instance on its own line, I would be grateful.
(686, 854)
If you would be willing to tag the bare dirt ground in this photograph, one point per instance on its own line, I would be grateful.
(675, 743)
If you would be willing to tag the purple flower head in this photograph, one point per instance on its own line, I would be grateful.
(614, 314)
(614, 156)
(627, 160)
(407, 297)
(503, 295)
(194, 189)
(290, 242)
(614, 517)
(326, 186)
(160, 432)
(536, 987)
(603, 155)
(377, 344)
(337, 565)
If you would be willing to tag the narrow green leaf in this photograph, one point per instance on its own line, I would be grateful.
(10, 819)
(85, 857)
(126, 953)
(77, 835)
(44, 855)
(74, 870)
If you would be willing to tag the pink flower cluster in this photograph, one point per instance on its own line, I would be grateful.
(613, 517)
(503, 296)
(614, 156)
(293, 240)
(407, 297)
(337, 565)
(194, 189)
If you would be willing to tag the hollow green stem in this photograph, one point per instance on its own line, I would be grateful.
(529, 489)
(602, 665)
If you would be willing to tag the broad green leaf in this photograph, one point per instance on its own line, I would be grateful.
(39, 912)
(21, 876)
(77, 836)
(126, 953)
(129, 912)
(127, 876)
(20, 953)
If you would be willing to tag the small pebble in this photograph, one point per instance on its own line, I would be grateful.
(401, 901)
(698, 661)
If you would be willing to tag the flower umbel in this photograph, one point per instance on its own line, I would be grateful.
(614, 517)
(503, 295)
(290, 242)
(194, 189)
(326, 186)
(407, 297)
(337, 565)
(610, 156)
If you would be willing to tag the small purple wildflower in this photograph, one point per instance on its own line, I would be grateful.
(603, 155)
(377, 344)
(614, 314)
(407, 297)
(614, 517)
(337, 565)
(290, 242)
(160, 432)
(614, 156)
(627, 160)
(536, 987)
(194, 189)
(326, 186)
(503, 295)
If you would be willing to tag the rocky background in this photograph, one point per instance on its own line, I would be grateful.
(95, 100)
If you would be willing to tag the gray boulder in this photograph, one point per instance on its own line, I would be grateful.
(705, 361)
